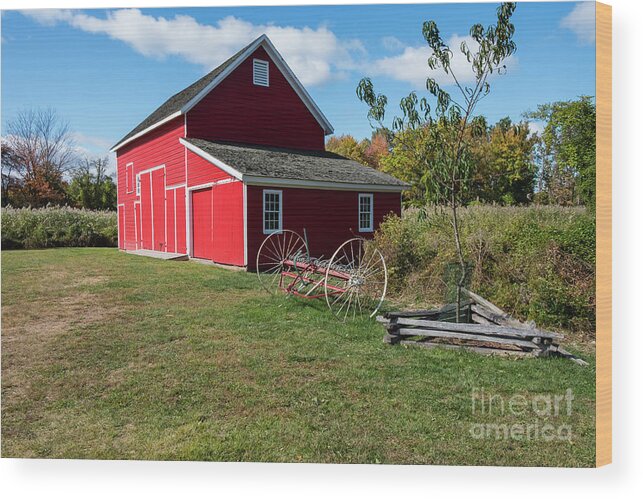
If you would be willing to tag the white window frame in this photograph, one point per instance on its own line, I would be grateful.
(254, 78)
(263, 210)
(138, 184)
(129, 188)
(359, 212)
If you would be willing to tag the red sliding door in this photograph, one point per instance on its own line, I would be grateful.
(158, 205)
(202, 224)
(146, 211)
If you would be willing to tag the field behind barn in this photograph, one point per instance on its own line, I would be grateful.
(113, 356)
(535, 262)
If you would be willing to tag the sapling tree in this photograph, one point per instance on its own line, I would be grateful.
(448, 128)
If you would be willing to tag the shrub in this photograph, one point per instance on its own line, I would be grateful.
(57, 226)
(537, 263)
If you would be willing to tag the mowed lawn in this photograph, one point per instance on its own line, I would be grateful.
(113, 356)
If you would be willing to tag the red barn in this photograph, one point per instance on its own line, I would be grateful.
(237, 155)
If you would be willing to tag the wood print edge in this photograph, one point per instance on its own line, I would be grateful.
(603, 234)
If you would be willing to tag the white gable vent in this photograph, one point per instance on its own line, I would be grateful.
(260, 72)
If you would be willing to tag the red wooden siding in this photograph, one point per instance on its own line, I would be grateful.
(228, 223)
(239, 111)
(158, 147)
(329, 217)
(201, 171)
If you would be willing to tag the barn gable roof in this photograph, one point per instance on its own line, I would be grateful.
(270, 165)
(181, 102)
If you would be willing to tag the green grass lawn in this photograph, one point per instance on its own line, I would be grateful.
(113, 356)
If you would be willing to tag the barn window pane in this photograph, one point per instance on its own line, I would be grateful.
(365, 213)
(271, 211)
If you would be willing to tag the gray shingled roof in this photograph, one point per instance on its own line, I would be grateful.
(178, 100)
(294, 164)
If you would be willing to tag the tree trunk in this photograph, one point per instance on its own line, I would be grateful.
(458, 245)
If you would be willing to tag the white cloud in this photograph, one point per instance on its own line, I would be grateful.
(316, 55)
(91, 141)
(392, 43)
(90, 146)
(48, 17)
(582, 21)
(537, 127)
(411, 65)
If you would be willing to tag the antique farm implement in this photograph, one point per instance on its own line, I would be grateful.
(353, 281)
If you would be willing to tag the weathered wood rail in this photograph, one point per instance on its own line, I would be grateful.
(483, 328)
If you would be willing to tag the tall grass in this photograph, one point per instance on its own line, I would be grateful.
(57, 226)
(537, 263)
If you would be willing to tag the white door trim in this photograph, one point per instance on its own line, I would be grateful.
(136, 234)
(245, 225)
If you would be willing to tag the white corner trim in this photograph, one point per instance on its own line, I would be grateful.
(143, 132)
(188, 221)
(200, 152)
(245, 225)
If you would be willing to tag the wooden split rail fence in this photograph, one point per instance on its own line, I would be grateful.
(482, 328)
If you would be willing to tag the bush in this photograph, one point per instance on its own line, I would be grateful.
(537, 263)
(57, 226)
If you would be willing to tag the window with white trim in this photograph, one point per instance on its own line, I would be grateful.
(271, 211)
(260, 72)
(129, 177)
(138, 185)
(365, 212)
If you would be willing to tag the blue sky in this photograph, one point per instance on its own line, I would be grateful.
(106, 70)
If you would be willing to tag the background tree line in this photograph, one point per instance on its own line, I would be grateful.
(512, 165)
(41, 166)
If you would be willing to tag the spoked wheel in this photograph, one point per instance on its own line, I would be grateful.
(277, 249)
(356, 280)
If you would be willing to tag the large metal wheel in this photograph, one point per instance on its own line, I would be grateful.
(273, 256)
(356, 280)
